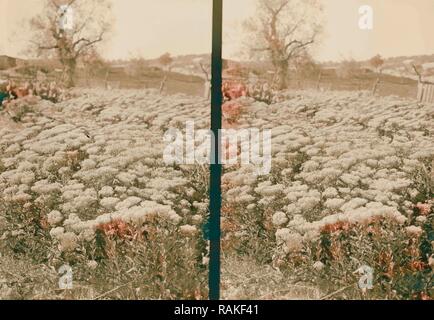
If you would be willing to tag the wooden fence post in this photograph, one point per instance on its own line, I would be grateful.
(319, 80)
(374, 89)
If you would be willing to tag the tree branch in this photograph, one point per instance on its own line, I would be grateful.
(283, 5)
(417, 72)
(79, 41)
(53, 2)
(85, 22)
(204, 71)
(273, 11)
(300, 46)
(290, 44)
(88, 44)
(290, 31)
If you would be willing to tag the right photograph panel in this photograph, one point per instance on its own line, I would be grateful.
(328, 150)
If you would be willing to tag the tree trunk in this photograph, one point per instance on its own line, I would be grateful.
(163, 84)
(106, 79)
(319, 81)
(282, 75)
(374, 89)
(70, 68)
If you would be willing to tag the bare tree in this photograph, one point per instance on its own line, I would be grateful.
(166, 60)
(206, 70)
(282, 29)
(376, 62)
(88, 28)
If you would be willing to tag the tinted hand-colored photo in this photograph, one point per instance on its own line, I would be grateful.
(327, 149)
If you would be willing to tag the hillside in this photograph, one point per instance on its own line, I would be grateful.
(401, 66)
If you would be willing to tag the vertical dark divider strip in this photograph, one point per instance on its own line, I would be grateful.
(215, 167)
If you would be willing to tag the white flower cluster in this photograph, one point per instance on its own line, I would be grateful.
(337, 157)
(99, 157)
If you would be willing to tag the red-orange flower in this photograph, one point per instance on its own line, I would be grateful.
(232, 111)
(117, 228)
(424, 208)
(338, 226)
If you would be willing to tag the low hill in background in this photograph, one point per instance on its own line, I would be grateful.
(186, 74)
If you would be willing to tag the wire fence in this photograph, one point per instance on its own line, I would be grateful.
(381, 87)
(195, 86)
(425, 92)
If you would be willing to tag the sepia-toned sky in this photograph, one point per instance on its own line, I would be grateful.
(152, 27)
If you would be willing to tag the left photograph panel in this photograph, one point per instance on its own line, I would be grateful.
(104, 149)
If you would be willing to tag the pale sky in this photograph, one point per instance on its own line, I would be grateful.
(152, 27)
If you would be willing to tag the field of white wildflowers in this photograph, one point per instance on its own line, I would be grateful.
(83, 184)
(351, 186)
